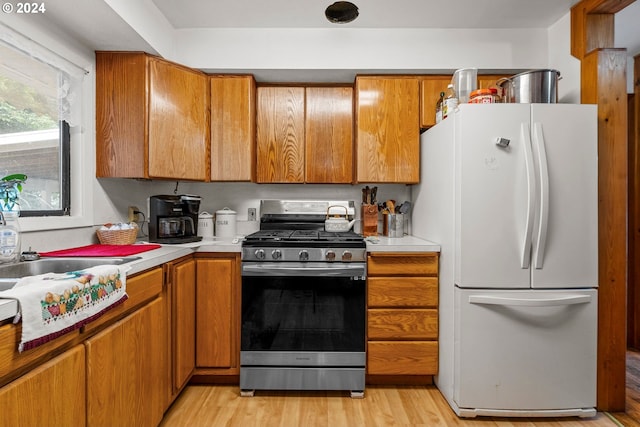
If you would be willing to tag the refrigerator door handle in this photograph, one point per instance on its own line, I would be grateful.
(530, 302)
(543, 223)
(525, 137)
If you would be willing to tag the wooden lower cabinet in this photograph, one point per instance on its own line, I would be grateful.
(127, 365)
(182, 289)
(51, 395)
(402, 316)
(402, 358)
(218, 314)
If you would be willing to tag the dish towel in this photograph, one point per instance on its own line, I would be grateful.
(53, 304)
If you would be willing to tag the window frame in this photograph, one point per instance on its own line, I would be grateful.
(65, 177)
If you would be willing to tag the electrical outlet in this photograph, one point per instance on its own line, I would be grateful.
(251, 215)
(133, 216)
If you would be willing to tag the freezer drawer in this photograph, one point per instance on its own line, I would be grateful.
(525, 350)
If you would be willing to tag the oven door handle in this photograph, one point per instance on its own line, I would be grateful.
(304, 269)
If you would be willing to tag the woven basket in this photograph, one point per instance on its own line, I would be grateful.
(117, 237)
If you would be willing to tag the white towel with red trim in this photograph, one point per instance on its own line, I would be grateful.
(53, 304)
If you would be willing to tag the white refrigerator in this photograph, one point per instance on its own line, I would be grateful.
(510, 193)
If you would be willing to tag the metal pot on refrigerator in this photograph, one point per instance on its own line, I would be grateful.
(535, 86)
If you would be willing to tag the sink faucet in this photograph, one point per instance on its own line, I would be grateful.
(29, 255)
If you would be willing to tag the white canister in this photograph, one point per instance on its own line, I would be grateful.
(225, 223)
(205, 225)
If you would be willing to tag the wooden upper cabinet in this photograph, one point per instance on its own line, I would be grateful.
(178, 122)
(233, 127)
(388, 129)
(152, 118)
(430, 89)
(329, 135)
(489, 80)
(280, 134)
(121, 109)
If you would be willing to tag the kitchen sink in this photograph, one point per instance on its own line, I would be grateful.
(10, 273)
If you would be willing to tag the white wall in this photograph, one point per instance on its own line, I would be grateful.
(359, 50)
(238, 196)
(560, 59)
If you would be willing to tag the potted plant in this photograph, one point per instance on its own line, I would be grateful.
(10, 188)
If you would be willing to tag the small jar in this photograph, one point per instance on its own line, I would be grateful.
(495, 94)
(481, 96)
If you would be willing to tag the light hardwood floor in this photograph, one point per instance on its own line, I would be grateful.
(221, 405)
(631, 418)
(383, 406)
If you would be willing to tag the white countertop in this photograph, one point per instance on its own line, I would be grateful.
(400, 244)
(153, 258)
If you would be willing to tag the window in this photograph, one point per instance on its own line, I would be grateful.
(36, 105)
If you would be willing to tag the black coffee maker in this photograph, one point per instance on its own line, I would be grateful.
(174, 219)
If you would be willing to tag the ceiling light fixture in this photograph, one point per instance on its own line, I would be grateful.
(341, 12)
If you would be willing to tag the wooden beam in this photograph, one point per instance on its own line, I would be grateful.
(604, 84)
(609, 6)
(592, 25)
(633, 275)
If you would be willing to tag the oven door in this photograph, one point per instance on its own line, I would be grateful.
(303, 314)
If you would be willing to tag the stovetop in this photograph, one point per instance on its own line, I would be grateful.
(293, 231)
(303, 245)
(303, 236)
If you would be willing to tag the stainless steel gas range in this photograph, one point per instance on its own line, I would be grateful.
(303, 302)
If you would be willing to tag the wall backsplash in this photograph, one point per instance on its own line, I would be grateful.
(238, 196)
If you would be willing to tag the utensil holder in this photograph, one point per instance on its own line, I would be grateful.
(392, 225)
(369, 217)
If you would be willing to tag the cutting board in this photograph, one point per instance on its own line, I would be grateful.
(101, 251)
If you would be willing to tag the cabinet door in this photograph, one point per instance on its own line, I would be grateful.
(430, 89)
(233, 128)
(183, 311)
(388, 129)
(121, 87)
(329, 135)
(217, 314)
(178, 122)
(489, 80)
(126, 370)
(50, 395)
(280, 134)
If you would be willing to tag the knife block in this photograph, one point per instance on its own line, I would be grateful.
(369, 217)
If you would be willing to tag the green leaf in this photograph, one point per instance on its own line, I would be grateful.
(16, 177)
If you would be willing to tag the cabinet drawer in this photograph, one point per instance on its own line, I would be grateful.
(402, 324)
(402, 358)
(403, 264)
(402, 292)
(140, 288)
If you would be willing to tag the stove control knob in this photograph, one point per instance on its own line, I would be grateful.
(346, 256)
(303, 255)
(276, 254)
(330, 255)
(259, 253)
